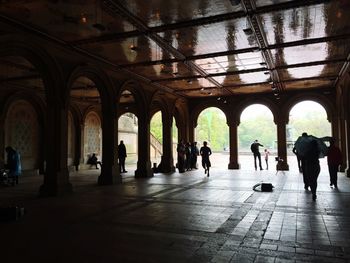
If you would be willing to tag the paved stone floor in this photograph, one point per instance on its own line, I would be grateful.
(180, 218)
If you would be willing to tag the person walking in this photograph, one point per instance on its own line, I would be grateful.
(254, 147)
(122, 156)
(267, 153)
(205, 152)
(299, 147)
(334, 159)
(312, 166)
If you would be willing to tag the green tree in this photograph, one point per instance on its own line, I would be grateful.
(157, 126)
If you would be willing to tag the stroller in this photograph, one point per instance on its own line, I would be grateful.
(6, 179)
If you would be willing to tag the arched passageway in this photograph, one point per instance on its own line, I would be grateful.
(310, 117)
(212, 127)
(257, 123)
(156, 137)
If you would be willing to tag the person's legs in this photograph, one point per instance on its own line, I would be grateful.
(333, 170)
(313, 171)
(259, 158)
(267, 164)
(305, 174)
(255, 156)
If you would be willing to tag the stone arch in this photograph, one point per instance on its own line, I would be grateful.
(22, 131)
(103, 84)
(33, 52)
(92, 134)
(38, 105)
(203, 106)
(321, 99)
(266, 102)
(140, 102)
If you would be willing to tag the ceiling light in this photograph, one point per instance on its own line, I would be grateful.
(266, 72)
(133, 47)
(225, 101)
(83, 18)
(262, 63)
(219, 98)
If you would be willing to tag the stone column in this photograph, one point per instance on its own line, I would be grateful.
(282, 146)
(233, 125)
(144, 157)
(110, 169)
(167, 161)
(347, 152)
(191, 131)
(56, 176)
(342, 143)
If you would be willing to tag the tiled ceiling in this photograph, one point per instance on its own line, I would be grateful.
(198, 48)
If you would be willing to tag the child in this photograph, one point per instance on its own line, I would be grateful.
(267, 153)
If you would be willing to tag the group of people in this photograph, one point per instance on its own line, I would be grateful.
(308, 150)
(187, 154)
(93, 160)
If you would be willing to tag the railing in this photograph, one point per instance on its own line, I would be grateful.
(157, 145)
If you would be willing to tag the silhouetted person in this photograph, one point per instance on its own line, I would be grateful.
(254, 147)
(298, 159)
(93, 161)
(13, 163)
(205, 152)
(334, 159)
(181, 152)
(122, 156)
(266, 154)
(299, 146)
(312, 166)
(188, 156)
(194, 154)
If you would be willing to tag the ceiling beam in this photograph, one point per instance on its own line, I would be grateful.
(116, 9)
(197, 22)
(21, 78)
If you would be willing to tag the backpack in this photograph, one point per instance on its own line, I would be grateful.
(252, 148)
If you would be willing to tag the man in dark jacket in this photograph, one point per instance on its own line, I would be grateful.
(255, 150)
(122, 156)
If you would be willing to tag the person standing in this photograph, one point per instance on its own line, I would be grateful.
(194, 154)
(181, 153)
(122, 156)
(13, 163)
(254, 147)
(267, 153)
(205, 152)
(334, 159)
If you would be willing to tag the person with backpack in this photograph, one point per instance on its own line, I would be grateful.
(254, 147)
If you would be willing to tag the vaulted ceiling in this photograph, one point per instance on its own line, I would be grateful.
(197, 48)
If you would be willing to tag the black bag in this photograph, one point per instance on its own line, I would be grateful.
(264, 187)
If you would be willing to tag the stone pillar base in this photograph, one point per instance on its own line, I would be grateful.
(143, 170)
(282, 166)
(342, 168)
(347, 172)
(110, 177)
(233, 166)
(47, 190)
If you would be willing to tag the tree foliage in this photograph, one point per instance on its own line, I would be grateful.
(157, 126)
